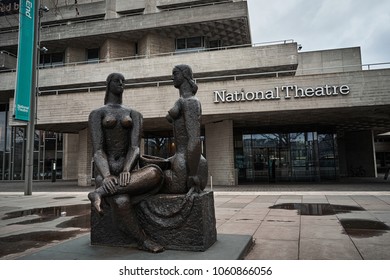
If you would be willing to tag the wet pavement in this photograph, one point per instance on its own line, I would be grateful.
(343, 223)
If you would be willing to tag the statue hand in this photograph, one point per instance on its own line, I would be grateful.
(193, 183)
(124, 178)
(169, 118)
(109, 184)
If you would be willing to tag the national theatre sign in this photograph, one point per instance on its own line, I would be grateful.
(277, 93)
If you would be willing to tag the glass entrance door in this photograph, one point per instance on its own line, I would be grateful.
(266, 158)
(275, 157)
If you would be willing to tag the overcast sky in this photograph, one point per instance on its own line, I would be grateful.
(325, 24)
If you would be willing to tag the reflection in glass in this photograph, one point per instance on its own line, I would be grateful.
(300, 156)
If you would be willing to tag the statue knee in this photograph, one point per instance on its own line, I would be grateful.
(98, 181)
(121, 202)
(156, 174)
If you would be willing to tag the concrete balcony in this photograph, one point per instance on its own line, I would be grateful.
(234, 61)
(7, 60)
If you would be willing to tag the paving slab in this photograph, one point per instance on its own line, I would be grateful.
(245, 211)
(265, 249)
(227, 247)
(327, 249)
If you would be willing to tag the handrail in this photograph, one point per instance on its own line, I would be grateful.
(192, 6)
(370, 66)
(200, 79)
(287, 41)
(7, 53)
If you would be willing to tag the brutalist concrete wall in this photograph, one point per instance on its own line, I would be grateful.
(114, 48)
(329, 61)
(70, 157)
(84, 159)
(220, 152)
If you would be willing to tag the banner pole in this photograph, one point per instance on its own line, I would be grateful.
(29, 163)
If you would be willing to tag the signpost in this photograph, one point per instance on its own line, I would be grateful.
(26, 79)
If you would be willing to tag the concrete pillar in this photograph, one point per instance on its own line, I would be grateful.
(70, 159)
(155, 44)
(342, 155)
(220, 152)
(151, 6)
(113, 48)
(359, 151)
(84, 159)
(111, 9)
(74, 55)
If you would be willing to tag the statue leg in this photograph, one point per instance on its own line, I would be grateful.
(203, 173)
(96, 196)
(176, 182)
(124, 217)
(148, 179)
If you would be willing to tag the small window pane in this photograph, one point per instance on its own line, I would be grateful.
(181, 44)
(194, 42)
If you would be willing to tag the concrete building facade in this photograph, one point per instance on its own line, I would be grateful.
(270, 111)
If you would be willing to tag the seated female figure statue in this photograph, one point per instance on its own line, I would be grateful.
(116, 134)
(188, 171)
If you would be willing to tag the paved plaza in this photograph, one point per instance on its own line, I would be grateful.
(291, 223)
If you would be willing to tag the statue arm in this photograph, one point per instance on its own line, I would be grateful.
(99, 155)
(135, 135)
(192, 115)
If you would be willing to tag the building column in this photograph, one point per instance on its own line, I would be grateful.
(84, 159)
(357, 154)
(73, 54)
(151, 44)
(114, 48)
(111, 9)
(70, 158)
(151, 6)
(220, 152)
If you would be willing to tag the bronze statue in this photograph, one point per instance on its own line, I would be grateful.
(163, 201)
(116, 134)
(188, 168)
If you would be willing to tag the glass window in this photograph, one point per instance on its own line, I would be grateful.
(159, 146)
(181, 44)
(194, 42)
(190, 43)
(93, 55)
(57, 59)
(3, 116)
(51, 59)
(215, 44)
(272, 157)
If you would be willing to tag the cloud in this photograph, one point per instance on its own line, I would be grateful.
(325, 24)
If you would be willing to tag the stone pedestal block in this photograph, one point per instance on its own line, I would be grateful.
(177, 222)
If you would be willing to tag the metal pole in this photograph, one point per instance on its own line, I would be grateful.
(29, 164)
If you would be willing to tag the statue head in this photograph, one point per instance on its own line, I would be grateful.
(183, 73)
(114, 85)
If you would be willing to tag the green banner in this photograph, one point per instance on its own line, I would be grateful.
(24, 70)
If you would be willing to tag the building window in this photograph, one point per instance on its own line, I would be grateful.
(215, 44)
(274, 157)
(190, 44)
(93, 55)
(51, 59)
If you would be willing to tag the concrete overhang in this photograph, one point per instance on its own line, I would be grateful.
(366, 106)
(226, 21)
